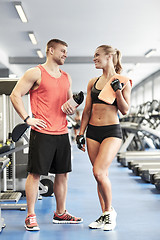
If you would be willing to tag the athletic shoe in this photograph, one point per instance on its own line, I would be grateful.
(109, 220)
(97, 224)
(31, 223)
(66, 218)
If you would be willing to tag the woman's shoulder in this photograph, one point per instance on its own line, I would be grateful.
(93, 80)
(91, 83)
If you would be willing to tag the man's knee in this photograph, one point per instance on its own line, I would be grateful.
(61, 177)
(34, 176)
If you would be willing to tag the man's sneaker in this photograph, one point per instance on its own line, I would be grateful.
(66, 218)
(31, 223)
(109, 220)
(97, 224)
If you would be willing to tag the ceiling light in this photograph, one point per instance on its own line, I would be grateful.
(150, 52)
(21, 13)
(32, 37)
(40, 54)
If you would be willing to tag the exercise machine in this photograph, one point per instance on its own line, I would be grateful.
(3, 163)
(133, 129)
(140, 150)
(9, 196)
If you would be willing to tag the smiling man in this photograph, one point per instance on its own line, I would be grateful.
(49, 148)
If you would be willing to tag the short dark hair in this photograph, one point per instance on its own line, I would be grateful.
(54, 42)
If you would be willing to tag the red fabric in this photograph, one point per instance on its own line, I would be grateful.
(46, 102)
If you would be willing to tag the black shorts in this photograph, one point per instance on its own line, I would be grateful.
(99, 133)
(49, 153)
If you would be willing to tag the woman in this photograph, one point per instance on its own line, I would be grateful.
(104, 136)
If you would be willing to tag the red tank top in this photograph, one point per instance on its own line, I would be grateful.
(46, 102)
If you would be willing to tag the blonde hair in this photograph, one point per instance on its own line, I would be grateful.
(116, 56)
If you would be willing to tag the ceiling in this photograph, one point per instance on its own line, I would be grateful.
(130, 26)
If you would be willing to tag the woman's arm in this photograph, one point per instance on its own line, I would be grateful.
(87, 109)
(85, 117)
(123, 98)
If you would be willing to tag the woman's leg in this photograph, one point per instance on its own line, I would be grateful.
(107, 151)
(93, 149)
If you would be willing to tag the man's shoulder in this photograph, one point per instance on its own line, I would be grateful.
(34, 72)
(34, 69)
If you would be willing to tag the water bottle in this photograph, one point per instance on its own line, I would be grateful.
(75, 100)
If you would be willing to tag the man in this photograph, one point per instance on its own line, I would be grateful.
(49, 148)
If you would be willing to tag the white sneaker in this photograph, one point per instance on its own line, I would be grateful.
(109, 220)
(97, 224)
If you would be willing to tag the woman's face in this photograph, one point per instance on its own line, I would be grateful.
(100, 59)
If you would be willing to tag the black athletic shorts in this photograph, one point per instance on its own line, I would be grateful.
(99, 133)
(49, 153)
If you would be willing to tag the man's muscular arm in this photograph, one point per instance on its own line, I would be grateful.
(23, 86)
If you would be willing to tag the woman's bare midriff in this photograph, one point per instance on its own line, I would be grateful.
(103, 114)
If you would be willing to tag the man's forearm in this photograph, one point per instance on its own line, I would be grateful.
(19, 106)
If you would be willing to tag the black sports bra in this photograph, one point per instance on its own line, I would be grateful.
(94, 95)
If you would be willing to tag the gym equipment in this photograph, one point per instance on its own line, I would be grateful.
(9, 196)
(13, 176)
(148, 173)
(46, 186)
(140, 156)
(155, 179)
(3, 163)
(73, 122)
(135, 162)
(140, 132)
(138, 169)
(141, 142)
(12, 196)
(18, 132)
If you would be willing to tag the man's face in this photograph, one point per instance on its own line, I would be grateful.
(60, 54)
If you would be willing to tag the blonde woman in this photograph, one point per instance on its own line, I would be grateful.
(103, 135)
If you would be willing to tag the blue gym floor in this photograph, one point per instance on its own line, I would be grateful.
(137, 204)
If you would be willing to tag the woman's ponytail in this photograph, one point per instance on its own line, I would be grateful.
(116, 56)
(117, 63)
